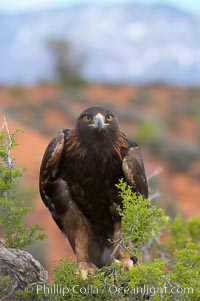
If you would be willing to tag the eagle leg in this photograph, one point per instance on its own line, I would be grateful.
(82, 241)
(122, 254)
(85, 269)
(124, 257)
(78, 231)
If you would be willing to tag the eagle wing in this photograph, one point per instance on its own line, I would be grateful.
(134, 171)
(49, 170)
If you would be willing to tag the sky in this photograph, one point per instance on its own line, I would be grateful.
(13, 6)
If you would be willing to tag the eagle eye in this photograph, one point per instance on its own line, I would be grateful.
(87, 118)
(109, 117)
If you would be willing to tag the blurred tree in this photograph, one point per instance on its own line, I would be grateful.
(149, 132)
(67, 63)
(180, 154)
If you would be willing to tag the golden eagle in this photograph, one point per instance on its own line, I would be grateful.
(78, 174)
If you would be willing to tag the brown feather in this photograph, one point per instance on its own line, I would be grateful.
(134, 171)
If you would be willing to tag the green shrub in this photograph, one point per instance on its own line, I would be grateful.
(18, 90)
(149, 133)
(164, 281)
(140, 221)
(182, 229)
(12, 208)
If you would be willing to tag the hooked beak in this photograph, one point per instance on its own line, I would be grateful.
(99, 121)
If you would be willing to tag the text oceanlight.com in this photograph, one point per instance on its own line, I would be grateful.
(112, 289)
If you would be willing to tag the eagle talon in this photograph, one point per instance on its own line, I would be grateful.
(86, 269)
(134, 259)
(127, 263)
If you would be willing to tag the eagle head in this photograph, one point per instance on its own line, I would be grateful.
(97, 123)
